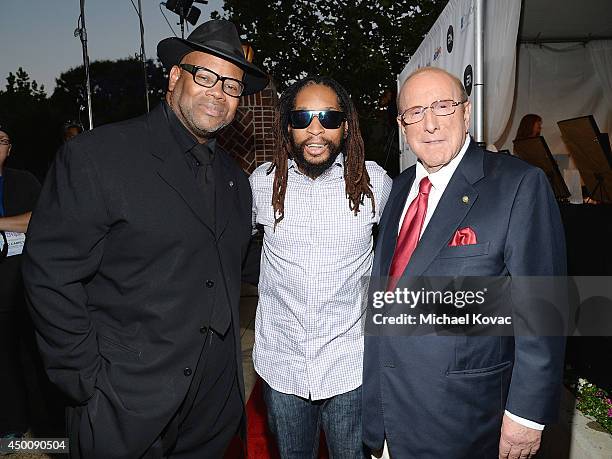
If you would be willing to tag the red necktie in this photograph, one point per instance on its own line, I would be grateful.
(409, 234)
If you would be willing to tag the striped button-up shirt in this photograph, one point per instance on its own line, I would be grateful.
(314, 272)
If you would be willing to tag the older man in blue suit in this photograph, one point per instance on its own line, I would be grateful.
(461, 211)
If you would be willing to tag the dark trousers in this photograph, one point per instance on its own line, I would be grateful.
(29, 400)
(296, 423)
(14, 412)
(212, 411)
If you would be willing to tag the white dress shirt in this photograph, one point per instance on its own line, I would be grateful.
(439, 181)
(314, 272)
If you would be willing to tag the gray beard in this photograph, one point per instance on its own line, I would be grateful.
(208, 134)
(186, 119)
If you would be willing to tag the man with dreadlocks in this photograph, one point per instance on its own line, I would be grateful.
(318, 202)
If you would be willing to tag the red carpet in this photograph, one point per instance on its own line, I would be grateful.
(261, 444)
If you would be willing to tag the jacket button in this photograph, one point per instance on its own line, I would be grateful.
(203, 329)
(187, 371)
(210, 284)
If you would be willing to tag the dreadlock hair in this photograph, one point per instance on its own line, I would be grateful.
(356, 178)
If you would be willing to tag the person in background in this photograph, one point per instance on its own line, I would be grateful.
(18, 194)
(71, 129)
(530, 126)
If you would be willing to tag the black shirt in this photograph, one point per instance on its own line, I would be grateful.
(199, 157)
(187, 142)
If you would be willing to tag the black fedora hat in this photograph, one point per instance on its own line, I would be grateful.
(219, 38)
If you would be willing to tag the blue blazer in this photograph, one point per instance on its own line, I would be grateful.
(445, 396)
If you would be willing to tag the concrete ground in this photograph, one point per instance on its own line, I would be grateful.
(575, 436)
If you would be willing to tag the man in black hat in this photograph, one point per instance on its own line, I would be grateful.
(133, 265)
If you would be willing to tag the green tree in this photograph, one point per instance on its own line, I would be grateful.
(117, 90)
(363, 44)
(19, 85)
(37, 121)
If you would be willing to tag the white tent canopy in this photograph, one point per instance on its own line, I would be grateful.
(550, 57)
(566, 20)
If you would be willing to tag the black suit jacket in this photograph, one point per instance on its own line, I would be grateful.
(445, 396)
(123, 266)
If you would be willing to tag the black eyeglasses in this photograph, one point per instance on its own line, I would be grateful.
(207, 78)
(329, 119)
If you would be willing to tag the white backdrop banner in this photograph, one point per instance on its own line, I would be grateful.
(502, 20)
(448, 45)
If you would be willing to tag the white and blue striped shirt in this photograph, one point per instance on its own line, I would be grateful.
(308, 326)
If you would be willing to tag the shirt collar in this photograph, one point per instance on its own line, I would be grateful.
(441, 177)
(185, 139)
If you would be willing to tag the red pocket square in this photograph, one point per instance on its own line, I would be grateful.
(463, 236)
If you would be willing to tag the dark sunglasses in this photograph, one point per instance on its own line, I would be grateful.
(329, 119)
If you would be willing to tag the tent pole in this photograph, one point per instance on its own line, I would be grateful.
(582, 40)
(143, 56)
(478, 111)
(81, 32)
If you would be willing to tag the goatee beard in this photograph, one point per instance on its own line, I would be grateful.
(314, 170)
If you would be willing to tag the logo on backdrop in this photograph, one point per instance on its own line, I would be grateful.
(466, 18)
(468, 79)
(437, 53)
(450, 36)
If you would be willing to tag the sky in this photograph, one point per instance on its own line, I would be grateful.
(38, 35)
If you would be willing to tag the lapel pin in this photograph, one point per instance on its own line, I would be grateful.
(231, 183)
(465, 200)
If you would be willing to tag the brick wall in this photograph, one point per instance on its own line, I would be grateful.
(249, 138)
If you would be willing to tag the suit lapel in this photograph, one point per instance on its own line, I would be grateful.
(450, 212)
(173, 169)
